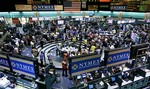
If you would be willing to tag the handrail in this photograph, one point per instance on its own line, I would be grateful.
(4, 37)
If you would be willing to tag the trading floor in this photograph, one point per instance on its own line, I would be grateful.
(76, 53)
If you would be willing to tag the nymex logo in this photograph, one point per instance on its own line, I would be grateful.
(22, 66)
(4, 62)
(86, 64)
(75, 67)
(118, 57)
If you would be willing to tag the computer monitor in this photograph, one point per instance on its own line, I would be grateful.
(113, 79)
(60, 22)
(125, 75)
(77, 19)
(110, 21)
(123, 21)
(119, 76)
(91, 86)
(79, 77)
(148, 21)
(83, 75)
(96, 71)
(41, 18)
(119, 22)
(81, 19)
(34, 18)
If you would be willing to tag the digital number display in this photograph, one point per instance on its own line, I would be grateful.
(92, 7)
(104, 0)
(143, 7)
(117, 2)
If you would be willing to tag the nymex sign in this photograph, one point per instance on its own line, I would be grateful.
(117, 57)
(4, 62)
(85, 64)
(42, 7)
(22, 66)
(118, 8)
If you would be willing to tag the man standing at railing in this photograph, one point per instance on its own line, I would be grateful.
(64, 68)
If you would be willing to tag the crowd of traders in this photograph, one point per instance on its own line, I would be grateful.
(76, 38)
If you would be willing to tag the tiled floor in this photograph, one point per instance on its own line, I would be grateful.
(48, 49)
(64, 82)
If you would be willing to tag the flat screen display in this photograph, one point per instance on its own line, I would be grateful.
(79, 77)
(92, 7)
(47, 18)
(110, 21)
(81, 19)
(104, 0)
(148, 8)
(83, 75)
(113, 79)
(77, 19)
(143, 7)
(41, 18)
(91, 86)
(22, 66)
(119, 22)
(60, 22)
(4, 62)
(148, 20)
(34, 19)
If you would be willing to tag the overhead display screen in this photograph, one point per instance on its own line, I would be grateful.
(132, 5)
(145, 2)
(4, 62)
(117, 2)
(92, 7)
(52, 2)
(148, 8)
(22, 66)
(143, 7)
(83, 5)
(91, 0)
(104, 0)
(104, 7)
(84, 64)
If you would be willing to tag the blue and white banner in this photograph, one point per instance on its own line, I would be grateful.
(22, 66)
(43, 7)
(85, 64)
(4, 62)
(118, 57)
